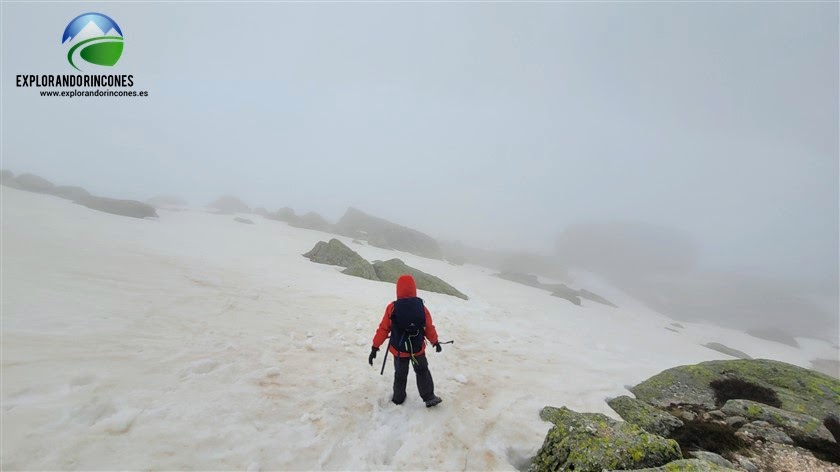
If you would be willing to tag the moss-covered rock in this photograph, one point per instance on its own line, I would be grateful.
(310, 220)
(798, 426)
(362, 269)
(639, 413)
(391, 270)
(335, 253)
(114, 206)
(592, 442)
(688, 465)
(799, 390)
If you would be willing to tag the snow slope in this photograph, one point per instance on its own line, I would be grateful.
(195, 342)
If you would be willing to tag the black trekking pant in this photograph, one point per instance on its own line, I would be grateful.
(425, 384)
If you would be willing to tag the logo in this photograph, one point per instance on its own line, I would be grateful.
(93, 38)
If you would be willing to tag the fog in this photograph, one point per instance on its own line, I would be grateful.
(687, 149)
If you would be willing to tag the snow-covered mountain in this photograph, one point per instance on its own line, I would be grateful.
(196, 342)
(91, 30)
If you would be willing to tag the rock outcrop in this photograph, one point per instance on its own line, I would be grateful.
(727, 350)
(652, 420)
(799, 390)
(724, 415)
(391, 270)
(70, 192)
(385, 234)
(114, 206)
(592, 442)
(335, 253)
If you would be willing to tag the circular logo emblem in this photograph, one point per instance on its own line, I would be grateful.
(93, 39)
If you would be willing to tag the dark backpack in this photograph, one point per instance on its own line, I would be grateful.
(408, 325)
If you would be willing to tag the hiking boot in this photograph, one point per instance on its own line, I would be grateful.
(434, 401)
(398, 401)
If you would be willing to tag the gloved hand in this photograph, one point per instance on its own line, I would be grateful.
(372, 356)
(437, 347)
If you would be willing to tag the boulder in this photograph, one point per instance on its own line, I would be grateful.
(70, 192)
(639, 413)
(799, 390)
(764, 431)
(727, 350)
(391, 270)
(713, 458)
(800, 427)
(364, 270)
(335, 253)
(385, 234)
(34, 183)
(688, 465)
(130, 208)
(243, 220)
(230, 204)
(592, 442)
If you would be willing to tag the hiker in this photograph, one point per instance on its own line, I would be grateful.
(408, 322)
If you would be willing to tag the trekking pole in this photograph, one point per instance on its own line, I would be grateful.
(384, 358)
(448, 342)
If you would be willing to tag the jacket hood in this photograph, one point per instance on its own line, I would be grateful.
(406, 288)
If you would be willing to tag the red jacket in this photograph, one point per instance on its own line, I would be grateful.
(406, 288)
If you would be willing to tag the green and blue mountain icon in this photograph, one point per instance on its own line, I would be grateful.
(93, 38)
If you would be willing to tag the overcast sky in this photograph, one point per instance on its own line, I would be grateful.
(496, 124)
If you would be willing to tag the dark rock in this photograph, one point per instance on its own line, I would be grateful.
(727, 350)
(800, 427)
(672, 329)
(243, 220)
(129, 208)
(385, 234)
(563, 291)
(284, 214)
(230, 204)
(592, 442)
(644, 416)
(34, 183)
(335, 253)
(586, 294)
(70, 192)
(391, 270)
(524, 279)
(677, 325)
(799, 390)
(736, 421)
